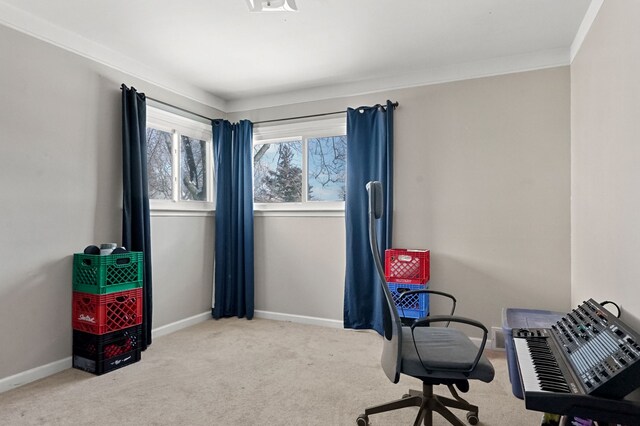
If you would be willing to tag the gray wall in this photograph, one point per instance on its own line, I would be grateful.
(182, 250)
(299, 265)
(60, 168)
(481, 179)
(605, 107)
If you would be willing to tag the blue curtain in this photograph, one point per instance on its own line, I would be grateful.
(369, 157)
(136, 227)
(233, 289)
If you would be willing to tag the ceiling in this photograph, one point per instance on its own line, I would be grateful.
(217, 52)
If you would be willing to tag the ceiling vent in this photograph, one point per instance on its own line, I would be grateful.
(272, 5)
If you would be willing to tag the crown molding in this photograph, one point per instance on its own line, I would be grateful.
(50, 33)
(585, 26)
(26, 23)
(449, 73)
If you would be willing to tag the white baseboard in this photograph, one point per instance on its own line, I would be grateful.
(34, 374)
(179, 325)
(477, 341)
(301, 319)
(43, 371)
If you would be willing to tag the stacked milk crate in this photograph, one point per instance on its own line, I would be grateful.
(407, 270)
(107, 311)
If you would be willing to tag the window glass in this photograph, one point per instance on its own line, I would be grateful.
(300, 166)
(278, 172)
(159, 164)
(193, 169)
(327, 163)
(179, 167)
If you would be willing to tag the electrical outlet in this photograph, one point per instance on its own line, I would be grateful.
(497, 338)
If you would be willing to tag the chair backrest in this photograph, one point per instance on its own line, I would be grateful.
(391, 349)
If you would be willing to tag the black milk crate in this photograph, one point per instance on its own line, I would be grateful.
(101, 353)
(108, 345)
(100, 366)
(412, 306)
(103, 274)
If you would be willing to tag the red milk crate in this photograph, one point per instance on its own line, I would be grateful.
(104, 313)
(406, 266)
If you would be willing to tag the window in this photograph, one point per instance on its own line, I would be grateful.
(179, 167)
(300, 166)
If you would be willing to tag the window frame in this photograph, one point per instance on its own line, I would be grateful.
(179, 126)
(291, 132)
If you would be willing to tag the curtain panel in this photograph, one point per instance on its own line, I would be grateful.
(136, 225)
(234, 269)
(369, 158)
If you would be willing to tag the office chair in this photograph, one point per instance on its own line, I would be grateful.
(435, 355)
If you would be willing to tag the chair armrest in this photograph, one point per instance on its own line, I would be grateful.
(436, 292)
(462, 320)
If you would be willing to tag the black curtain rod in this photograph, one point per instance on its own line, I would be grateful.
(395, 105)
(124, 86)
(181, 109)
(300, 116)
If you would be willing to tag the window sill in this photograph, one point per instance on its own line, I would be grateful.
(259, 211)
(298, 212)
(157, 209)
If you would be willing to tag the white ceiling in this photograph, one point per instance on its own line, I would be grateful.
(217, 52)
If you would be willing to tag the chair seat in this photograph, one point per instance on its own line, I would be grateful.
(442, 347)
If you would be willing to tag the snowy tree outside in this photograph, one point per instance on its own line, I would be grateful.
(159, 164)
(302, 169)
(193, 166)
(278, 170)
(193, 169)
(327, 164)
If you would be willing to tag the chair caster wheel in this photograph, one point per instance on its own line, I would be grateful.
(362, 420)
(472, 418)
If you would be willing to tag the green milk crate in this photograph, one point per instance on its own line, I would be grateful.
(104, 274)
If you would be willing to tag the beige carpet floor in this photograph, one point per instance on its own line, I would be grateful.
(239, 372)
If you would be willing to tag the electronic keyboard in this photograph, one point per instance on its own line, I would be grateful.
(583, 366)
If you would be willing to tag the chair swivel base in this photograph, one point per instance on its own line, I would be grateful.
(428, 403)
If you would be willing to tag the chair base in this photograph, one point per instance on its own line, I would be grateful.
(428, 403)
